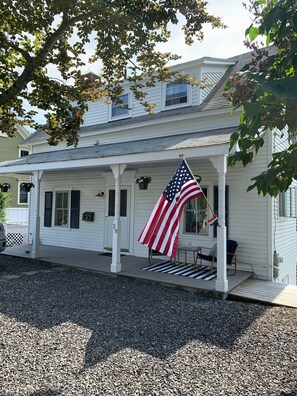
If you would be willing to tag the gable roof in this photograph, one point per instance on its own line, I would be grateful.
(213, 101)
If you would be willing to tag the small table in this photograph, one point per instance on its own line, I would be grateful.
(193, 249)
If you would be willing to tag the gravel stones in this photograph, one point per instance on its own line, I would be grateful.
(69, 332)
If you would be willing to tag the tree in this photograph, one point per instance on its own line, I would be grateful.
(37, 36)
(4, 202)
(266, 90)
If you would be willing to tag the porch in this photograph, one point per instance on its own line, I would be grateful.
(132, 267)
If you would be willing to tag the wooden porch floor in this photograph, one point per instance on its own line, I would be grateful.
(270, 292)
(131, 267)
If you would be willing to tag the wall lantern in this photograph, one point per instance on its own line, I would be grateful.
(100, 194)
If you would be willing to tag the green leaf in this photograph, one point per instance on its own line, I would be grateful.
(253, 33)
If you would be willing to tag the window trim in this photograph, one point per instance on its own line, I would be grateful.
(25, 150)
(19, 193)
(68, 208)
(122, 116)
(285, 208)
(179, 105)
(192, 234)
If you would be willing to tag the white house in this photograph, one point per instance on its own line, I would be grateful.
(83, 196)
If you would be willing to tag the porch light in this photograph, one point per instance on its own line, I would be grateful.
(198, 178)
(100, 194)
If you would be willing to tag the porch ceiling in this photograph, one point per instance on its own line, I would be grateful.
(146, 151)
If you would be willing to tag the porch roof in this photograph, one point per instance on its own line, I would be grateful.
(194, 145)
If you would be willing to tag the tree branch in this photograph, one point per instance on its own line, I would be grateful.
(34, 63)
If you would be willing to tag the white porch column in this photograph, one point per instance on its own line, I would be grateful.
(36, 224)
(220, 163)
(117, 170)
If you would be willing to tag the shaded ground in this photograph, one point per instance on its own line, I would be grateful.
(68, 332)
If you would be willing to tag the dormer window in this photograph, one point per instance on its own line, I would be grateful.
(176, 95)
(24, 153)
(120, 108)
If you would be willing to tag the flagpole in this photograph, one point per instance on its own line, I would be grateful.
(207, 201)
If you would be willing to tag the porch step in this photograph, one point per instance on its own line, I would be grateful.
(270, 292)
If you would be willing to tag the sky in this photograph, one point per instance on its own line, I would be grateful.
(217, 43)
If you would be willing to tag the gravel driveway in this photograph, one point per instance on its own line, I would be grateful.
(68, 332)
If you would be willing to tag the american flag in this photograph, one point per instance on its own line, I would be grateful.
(161, 230)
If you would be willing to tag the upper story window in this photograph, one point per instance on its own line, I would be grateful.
(176, 95)
(24, 153)
(120, 108)
(287, 203)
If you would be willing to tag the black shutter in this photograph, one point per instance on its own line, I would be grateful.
(48, 205)
(216, 207)
(74, 210)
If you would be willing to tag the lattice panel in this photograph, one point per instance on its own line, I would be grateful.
(17, 234)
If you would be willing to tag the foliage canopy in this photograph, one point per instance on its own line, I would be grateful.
(266, 90)
(45, 35)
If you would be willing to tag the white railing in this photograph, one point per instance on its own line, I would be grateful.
(17, 216)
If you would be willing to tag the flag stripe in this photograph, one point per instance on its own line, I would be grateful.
(161, 231)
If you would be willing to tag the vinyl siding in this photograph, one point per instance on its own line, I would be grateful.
(248, 223)
(89, 236)
(284, 228)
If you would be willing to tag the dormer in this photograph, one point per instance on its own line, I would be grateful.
(165, 95)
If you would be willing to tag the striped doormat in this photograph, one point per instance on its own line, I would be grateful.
(201, 273)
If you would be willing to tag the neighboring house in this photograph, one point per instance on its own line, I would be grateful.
(85, 194)
(17, 212)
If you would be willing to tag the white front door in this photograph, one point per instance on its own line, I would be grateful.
(124, 216)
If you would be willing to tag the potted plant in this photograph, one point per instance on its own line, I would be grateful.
(4, 187)
(143, 182)
(27, 186)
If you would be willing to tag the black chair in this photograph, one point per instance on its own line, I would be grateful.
(212, 256)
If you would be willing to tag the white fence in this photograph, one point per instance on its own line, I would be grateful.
(17, 216)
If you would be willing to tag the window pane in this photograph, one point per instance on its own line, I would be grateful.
(65, 200)
(116, 109)
(59, 197)
(195, 216)
(176, 94)
(23, 196)
(61, 209)
(123, 203)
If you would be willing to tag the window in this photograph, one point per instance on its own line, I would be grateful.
(176, 95)
(119, 108)
(61, 208)
(195, 216)
(24, 153)
(63, 216)
(287, 203)
(23, 195)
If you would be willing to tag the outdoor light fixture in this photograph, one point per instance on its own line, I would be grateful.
(100, 194)
(198, 178)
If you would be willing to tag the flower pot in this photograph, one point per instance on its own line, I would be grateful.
(4, 189)
(27, 188)
(143, 186)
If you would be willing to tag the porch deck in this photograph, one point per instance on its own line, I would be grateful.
(131, 267)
